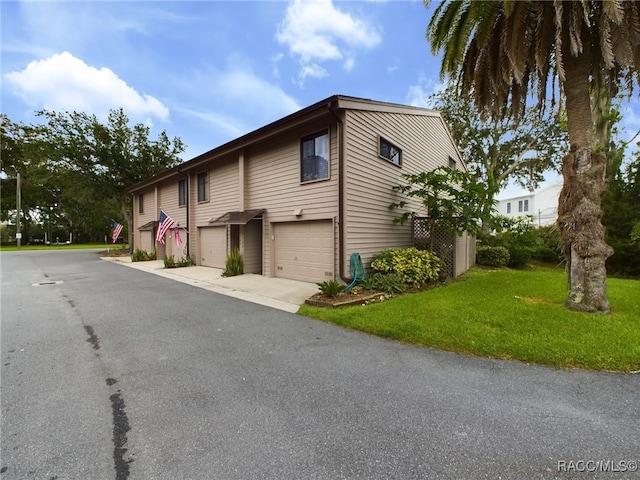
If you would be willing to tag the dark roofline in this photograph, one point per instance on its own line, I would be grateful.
(252, 136)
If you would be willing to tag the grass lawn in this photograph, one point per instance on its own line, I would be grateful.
(62, 246)
(507, 314)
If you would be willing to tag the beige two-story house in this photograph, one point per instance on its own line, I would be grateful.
(298, 196)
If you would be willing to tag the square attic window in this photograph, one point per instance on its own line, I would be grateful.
(390, 152)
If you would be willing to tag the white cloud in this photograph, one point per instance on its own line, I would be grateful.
(236, 101)
(316, 31)
(63, 82)
(418, 95)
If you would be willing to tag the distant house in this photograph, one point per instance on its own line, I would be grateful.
(541, 204)
(298, 196)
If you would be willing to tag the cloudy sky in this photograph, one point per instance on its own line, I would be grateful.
(210, 71)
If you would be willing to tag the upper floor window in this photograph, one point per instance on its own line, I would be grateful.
(203, 187)
(390, 152)
(508, 207)
(141, 203)
(523, 205)
(182, 192)
(314, 157)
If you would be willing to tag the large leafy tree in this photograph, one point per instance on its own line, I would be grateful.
(75, 169)
(502, 52)
(499, 150)
(109, 156)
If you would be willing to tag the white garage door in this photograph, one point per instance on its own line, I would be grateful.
(213, 246)
(304, 250)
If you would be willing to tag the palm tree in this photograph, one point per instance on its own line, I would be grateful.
(503, 52)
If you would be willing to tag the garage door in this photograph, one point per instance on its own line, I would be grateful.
(304, 250)
(213, 246)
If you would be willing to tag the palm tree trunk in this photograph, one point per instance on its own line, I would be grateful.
(579, 210)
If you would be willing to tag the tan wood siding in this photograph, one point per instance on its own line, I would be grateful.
(143, 240)
(425, 145)
(223, 191)
(272, 173)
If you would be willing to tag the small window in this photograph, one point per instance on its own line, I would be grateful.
(519, 205)
(141, 203)
(526, 205)
(314, 157)
(182, 192)
(203, 187)
(508, 207)
(390, 152)
(452, 163)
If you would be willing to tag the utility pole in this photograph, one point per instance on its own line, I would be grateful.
(19, 205)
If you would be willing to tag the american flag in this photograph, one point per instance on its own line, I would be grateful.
(117, 229)
(176, 235)
(164, 224)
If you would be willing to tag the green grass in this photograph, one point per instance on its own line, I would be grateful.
(73, 246)
(507, 314)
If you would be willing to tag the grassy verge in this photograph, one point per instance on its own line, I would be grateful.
(73, 246)
(507, 314)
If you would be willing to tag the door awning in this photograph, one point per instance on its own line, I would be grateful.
(236, 218)
(148, 226)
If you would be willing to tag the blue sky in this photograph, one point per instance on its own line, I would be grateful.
(210, 71)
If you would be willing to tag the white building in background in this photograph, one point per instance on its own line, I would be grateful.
(541, 204)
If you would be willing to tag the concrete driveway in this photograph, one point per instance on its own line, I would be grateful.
(280, 293)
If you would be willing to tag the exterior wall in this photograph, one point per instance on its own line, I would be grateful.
(141, 238)
(543, 204)
(251, 246)
(272, 175)
(425, 145)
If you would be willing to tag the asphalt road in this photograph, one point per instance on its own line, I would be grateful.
(109, 372)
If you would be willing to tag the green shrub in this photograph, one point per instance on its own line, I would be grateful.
(414, 267)
(234, 264)
(331, 288)
(142, 256)
(548, 244)
(493, 256)
(383, 282)
(185, 261)
(171, 262)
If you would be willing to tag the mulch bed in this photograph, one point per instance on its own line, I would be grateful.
(344, 299)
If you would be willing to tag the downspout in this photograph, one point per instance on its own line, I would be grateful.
(188, 199)
(341, 246)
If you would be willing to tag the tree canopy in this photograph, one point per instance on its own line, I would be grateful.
(75, 169)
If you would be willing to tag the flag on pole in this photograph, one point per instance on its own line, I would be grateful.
(117, 229)
(164, 224)
(176, 235)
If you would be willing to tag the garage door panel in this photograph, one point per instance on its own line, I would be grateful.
(304, 250)
(213, 247)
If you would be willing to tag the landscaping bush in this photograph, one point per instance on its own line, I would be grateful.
(547, 248)
(234, 264)
(170, 262)
(414, 267)
(383, 282)
(142, 256)
(330, 288)
(493, 256)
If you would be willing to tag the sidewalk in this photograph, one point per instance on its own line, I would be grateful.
(279, 293)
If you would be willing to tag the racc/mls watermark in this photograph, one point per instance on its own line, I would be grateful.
(600, 466)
